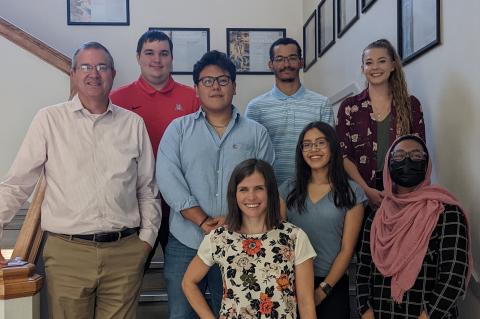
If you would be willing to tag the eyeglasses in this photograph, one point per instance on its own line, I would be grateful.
(101, 68)
(415, 155)
(222, 80)
(291, 58)
(319, 145)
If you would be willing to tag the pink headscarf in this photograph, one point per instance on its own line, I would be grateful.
(403, 225)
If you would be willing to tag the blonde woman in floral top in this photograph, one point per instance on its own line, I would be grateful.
(368, 123)
(266, 264)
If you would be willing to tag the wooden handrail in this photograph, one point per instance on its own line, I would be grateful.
(36, 47)
(30, 236)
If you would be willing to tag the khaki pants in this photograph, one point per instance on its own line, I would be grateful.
(87, 280)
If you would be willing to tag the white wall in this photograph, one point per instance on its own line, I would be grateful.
(27, 84)
(445, 80)
(47, 21)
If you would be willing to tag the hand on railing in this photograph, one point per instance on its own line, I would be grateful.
(3, 262)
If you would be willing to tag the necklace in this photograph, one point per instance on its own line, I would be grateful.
(218, 125)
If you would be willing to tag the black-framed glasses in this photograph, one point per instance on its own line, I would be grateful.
(222, 80)
(293, 58)
(318, 144)
(87, 68)
(415, 155)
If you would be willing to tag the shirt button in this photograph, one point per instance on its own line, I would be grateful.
(216, 195)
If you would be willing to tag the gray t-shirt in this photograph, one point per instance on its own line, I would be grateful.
(323, 223)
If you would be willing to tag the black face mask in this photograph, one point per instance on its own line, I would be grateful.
(407, 173)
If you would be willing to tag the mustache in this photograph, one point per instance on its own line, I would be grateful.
(287, 68)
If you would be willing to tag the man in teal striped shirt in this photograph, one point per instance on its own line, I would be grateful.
(288, 107)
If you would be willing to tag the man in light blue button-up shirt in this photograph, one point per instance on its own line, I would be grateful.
(288, 107)
(196, 157)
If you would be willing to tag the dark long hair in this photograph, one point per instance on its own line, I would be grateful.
(343, 195)
(241, 171)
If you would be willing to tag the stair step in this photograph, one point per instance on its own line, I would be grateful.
(159, 295)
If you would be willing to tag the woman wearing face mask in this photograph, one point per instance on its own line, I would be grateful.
(369, 122)
(415, 257)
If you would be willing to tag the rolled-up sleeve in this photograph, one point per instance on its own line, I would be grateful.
(147, 190)
(170, 177)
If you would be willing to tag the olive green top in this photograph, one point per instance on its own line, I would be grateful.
(382, 141)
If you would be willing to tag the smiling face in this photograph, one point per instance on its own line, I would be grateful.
(316, 149)
(286, 63)
(377, 66)
(155, 61)
(252, 198)
(215, 98)
(92, 85)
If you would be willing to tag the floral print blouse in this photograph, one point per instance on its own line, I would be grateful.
(357, 132)
(258, 270)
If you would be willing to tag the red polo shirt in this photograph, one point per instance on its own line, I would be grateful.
(157, 108)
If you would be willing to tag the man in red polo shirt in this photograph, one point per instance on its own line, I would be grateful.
(157, 98)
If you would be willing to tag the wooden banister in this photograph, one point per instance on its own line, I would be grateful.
(30, 236)
(36, 47)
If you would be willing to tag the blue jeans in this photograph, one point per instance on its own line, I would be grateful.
(177, 259)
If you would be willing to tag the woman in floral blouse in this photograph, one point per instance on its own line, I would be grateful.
(266, 264)
(369, 122)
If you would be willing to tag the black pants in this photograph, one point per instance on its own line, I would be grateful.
(162, 237)
(337, 304)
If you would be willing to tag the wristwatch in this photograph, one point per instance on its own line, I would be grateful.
(327, 289)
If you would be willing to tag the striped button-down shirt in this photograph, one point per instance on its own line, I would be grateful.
(284, 117)
(99, 172)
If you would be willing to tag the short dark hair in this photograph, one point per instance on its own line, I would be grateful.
(91, 45)
(241, 171)
(285, 41)
(153, 35)
(343, 195)
(217, 58)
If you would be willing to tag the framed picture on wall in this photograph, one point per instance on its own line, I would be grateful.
(98, 12)
(189, 44)
(326, 26)
(310, 41)
(249, 48)
(347, 15)
(366, 4)
(418, 28)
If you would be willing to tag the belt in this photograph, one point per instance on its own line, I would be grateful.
(103, 237)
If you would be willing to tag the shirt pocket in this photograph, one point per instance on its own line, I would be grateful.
(242, 151)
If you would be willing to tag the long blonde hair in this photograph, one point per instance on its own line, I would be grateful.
(398, 87)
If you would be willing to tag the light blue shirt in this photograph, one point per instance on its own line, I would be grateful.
(194, 165)
(284, 117)
(323, 222)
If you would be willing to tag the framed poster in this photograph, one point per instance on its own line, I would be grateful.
(326, 26)
(189, 45)
(248, 48)
(366, 4)
(418, 28)
(98, 12)
(347, 15)
(310, 41)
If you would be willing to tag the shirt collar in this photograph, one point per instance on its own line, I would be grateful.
(201, 112)
(147, 88)
(363, 95)
(282, 96)
(76, 105)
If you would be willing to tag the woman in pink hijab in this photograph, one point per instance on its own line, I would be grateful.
(415, 257)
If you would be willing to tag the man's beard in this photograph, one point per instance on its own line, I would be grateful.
(286, 80)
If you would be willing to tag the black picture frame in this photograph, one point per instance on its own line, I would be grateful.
(189, 45)
(243, 40)
(324, 23)
(80, 12)
(415, 39)
(350, 18)
(309, 41)
(366, 4)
